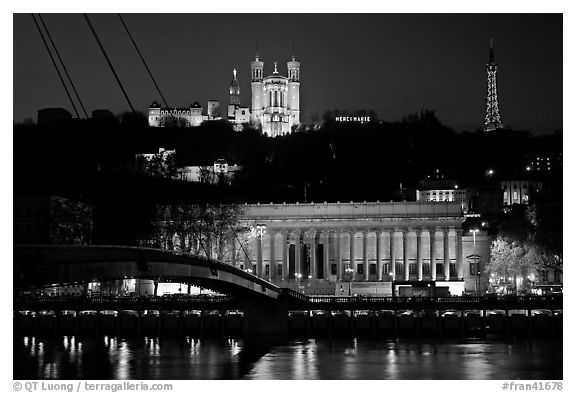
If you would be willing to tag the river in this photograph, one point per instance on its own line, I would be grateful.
(143, 358)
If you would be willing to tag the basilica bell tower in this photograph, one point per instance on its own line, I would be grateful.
(257, 69)
(294, 89)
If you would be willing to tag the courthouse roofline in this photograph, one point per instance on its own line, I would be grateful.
(353, 210)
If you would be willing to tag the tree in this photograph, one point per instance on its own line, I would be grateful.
(206, 174)
(213, 231)
(162, 164)
(528, 242)
(512, 258)
(70, 222)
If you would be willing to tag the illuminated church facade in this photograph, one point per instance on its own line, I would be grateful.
(275, 106)
(275, 98)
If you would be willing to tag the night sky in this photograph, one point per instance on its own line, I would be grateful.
(393, 64)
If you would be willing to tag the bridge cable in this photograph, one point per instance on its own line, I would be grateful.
(55, 65)
(62, 63)
(142, 58)
(201, 245)
(199, 237)
(108, 60)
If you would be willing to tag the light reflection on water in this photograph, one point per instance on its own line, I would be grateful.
(72, 357)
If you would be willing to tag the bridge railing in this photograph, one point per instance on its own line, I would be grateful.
(296, 295)
(508, 300)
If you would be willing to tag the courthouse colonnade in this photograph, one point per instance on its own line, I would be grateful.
(396, 241)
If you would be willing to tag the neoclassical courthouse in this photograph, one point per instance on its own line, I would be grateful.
(371, 248)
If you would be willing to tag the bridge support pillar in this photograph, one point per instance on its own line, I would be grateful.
(265, 321)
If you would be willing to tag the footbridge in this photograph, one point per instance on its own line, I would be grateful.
(37, 266)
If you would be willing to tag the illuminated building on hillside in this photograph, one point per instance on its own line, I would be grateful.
(275, 98)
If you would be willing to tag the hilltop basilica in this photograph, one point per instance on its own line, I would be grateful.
(275, 107)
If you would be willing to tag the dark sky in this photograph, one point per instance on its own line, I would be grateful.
(395, 64)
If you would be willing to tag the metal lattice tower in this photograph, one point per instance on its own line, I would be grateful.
(492, 121)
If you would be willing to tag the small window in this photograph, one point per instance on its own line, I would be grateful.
(386, 268)
(279, 270)
(474, 268)
(333, 270)
(373, 268)
(426, 269)
(439, 268)
(452, 268)
(267, 270)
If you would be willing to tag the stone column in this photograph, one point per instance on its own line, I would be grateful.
(378, 256)
(352, 256)
(313, 254)
(297, 266)
(419, 253)
(446, 233)
(405, 252)
(432, 232)
(285, 267)
(260, 271)
(326, 262)
(365, 254)
(272, 260)
(392, 256)
(459, 261)
(339, 267)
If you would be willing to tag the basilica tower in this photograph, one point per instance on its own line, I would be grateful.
(234, 95)
(257, 68)
(294, 90)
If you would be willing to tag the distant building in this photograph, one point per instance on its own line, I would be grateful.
(544, 162)
(519, 191)
(175, 117)
(51, 116)
(213, 110)
(237, 115)
(220, 172)
(441, 191)
(103, 115)
(51, 220)
(162, 154)
(275, 98)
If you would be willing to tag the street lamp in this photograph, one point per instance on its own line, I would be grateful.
(349, 272)
(474, 232)
(260, 231)
(298, 277)
(477, 260)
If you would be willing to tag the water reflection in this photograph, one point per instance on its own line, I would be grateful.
(110, 357)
